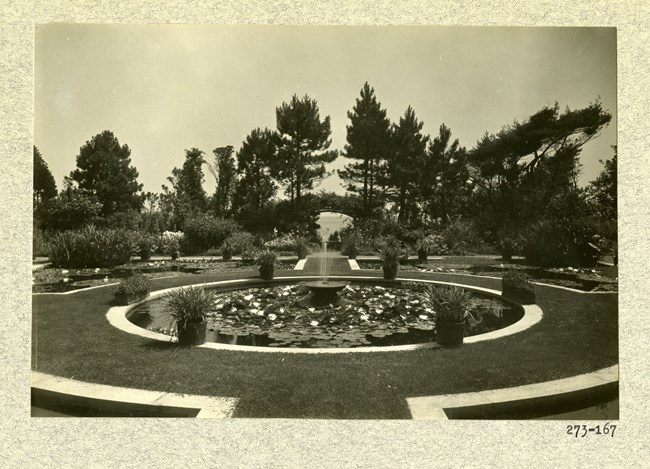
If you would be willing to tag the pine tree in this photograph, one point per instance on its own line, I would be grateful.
(225, 175)
(104, 170)
(44, 184)
(368, 137)
(408, 150)
(303, 143)
(444, 184)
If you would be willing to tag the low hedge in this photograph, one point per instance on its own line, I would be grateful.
(518, 287)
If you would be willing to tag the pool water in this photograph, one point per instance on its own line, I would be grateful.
(367, 315)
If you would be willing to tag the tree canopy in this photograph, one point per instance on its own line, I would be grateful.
(368, 137)
(303, 140)
(104, 170)
(44, 184)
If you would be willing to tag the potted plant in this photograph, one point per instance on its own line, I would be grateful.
(146, 247)
(226, 250)
(390, 254)
(507, 246)
(174, 248)
(133, 289)
(266, 261)
(450, 305)
(422, 247)
(301, 246)
(349, 246)
(188, 307)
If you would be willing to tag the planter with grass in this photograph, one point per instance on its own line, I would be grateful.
(518, 287)
(301, 246)
(226, 251)
(133, 289)
(390, 254)
(188, 307)
(266, 261)
(450, 305)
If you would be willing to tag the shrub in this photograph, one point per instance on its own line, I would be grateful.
(69, 210)
(238, 242)
(508, 247)
(248, 256)
(170, 242)
(91, 247)
(146, 246)
(460, 236)
(518, 287)
(301, 246)
(204, 232)
(350, 245)
(433, 244)
(133, 285)
(189, 305)
(282, 243)
(449, 303)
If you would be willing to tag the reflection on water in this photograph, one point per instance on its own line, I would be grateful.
(371, 315)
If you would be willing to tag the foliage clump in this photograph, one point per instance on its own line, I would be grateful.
(450, 303)
(517, 286)
(134, 285)
(90, 247)
(189, 305)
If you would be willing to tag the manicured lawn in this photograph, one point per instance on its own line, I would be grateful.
(73, 339)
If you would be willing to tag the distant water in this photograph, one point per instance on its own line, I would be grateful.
(330, 222)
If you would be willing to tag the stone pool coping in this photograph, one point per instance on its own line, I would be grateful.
(117, 317)
(583, 387)
(69, 392)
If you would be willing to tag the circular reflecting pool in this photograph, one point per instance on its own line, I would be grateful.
(364, 315)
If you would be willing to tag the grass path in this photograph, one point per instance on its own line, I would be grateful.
(72, 338)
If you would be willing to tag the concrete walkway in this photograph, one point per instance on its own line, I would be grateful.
(336, 264)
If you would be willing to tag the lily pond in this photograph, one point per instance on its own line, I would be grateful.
(366, 315)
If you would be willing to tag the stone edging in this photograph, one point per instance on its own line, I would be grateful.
(71, 392)
(116, 316)
(473, 404)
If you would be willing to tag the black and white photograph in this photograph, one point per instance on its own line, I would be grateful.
(326, 222)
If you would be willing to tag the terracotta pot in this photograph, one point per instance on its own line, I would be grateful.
(227, 255)
(390, 272)
(450, 334)
(423, 255)
(175, 255)
(192, 334)
(266, 272)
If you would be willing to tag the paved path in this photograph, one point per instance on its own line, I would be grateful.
(336, 263)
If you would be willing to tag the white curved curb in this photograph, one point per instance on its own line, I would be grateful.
(116, 316)
(81, 393)
(432, 407)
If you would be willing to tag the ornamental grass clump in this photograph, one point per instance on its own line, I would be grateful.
(390, 253)
(301, 246)
(449, 303)
(266, 261)
(91, 247)
(518, 287)
(189, 305)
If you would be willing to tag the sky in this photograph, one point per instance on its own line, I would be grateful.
(162, 89)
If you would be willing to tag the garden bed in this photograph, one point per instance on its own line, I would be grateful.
(52, 280)
(601, 278)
